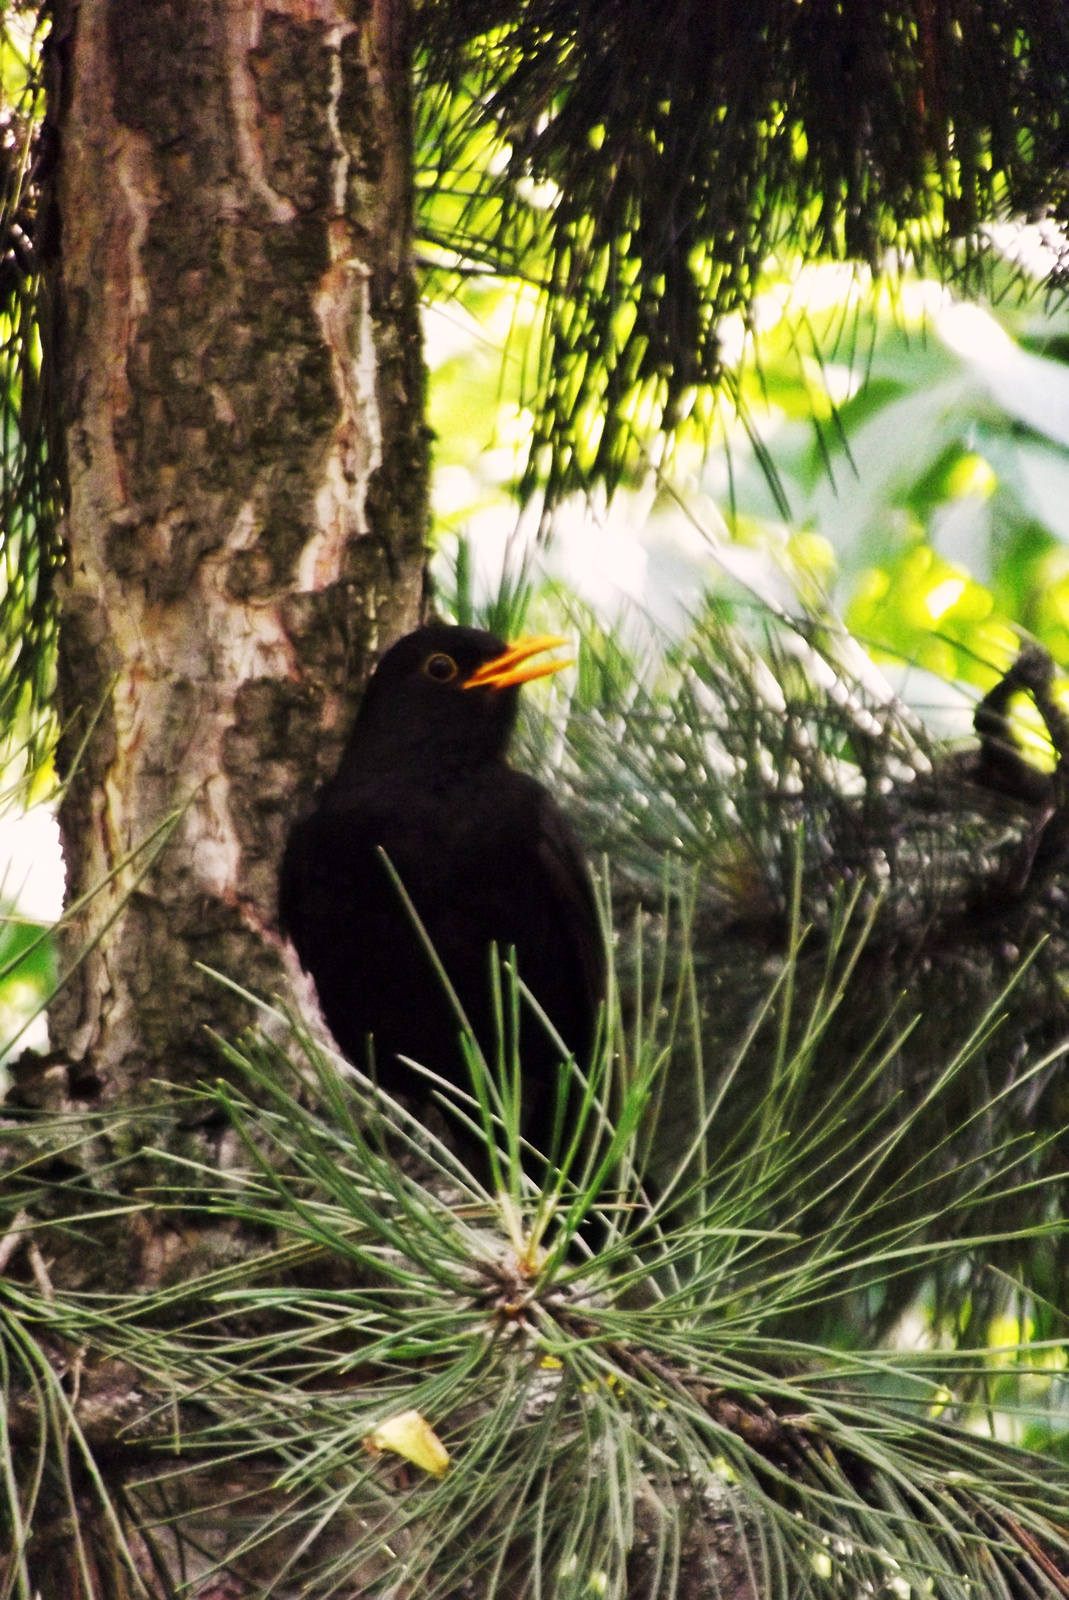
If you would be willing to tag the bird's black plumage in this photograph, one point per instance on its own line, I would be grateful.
(482, 850)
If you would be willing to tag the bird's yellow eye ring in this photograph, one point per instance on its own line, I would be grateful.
(440, 667)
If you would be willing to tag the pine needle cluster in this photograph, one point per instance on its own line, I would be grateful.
(30, 490)
(640, 165)
(770, 766)
(407, 1381)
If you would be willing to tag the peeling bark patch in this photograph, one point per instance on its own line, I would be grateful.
(342, 304)
(242, 32)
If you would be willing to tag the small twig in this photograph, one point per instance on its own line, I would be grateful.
(76, 1369)
(40, 1271)
(1029, 1545)
(13, 1238)
(765, 1431)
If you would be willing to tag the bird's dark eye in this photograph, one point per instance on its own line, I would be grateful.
(442, 668)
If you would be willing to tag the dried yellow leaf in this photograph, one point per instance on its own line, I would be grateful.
(409, 1434)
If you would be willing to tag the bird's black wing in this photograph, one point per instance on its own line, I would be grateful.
(301, 881)
(561, 858)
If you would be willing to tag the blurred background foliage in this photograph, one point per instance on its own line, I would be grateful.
(903, 455)
(30, 499)
(643, 176)
(30, 489)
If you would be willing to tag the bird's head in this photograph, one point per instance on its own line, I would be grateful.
(448, 695)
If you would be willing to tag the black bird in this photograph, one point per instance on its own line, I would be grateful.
(484, 854)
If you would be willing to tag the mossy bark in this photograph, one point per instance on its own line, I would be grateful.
(238, 347)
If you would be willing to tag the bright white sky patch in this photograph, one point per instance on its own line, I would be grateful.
(1034, 391)
(31, 864)
(939, 600)
(1038, 247)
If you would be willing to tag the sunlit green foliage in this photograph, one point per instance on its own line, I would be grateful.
(30, 492)
(27, 973)
(934, 465)
(643, 171)
(904, 455)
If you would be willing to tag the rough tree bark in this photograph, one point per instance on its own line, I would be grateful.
(239, 354)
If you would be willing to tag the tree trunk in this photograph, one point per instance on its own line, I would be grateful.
(238, 348)
(235, 336)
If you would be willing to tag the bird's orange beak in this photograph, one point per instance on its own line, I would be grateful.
(514, 665)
